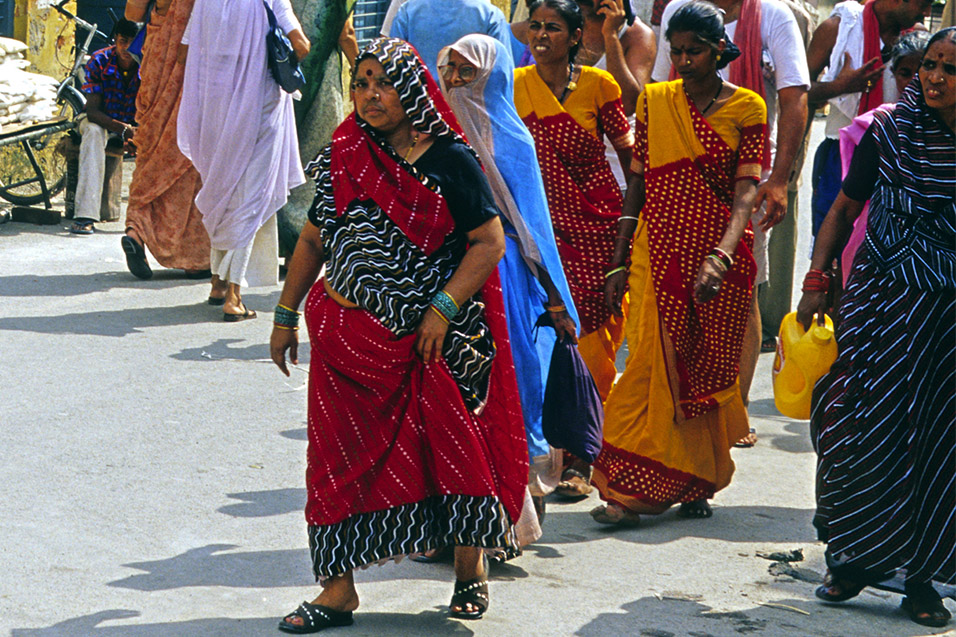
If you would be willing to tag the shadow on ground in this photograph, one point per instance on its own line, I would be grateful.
(429, 622)
(60, 285)
(754, 524)
(677, 614)
(260, 504)
(128, 321)
(218, 565)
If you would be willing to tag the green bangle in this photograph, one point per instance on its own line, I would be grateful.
(615, 271)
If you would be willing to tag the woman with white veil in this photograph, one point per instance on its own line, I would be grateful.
(237, 127)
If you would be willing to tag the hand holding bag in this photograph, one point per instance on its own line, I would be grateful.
(283, 63)
(573, 417)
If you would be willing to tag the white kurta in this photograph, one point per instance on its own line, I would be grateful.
(238, 128)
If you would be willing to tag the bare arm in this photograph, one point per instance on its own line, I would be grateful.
(848, 80)
(135, 11)
(303, 271)
(562, 321)
(94, 112)
(300, 44)
(790, 127)
(618, 64)
(831, 239)
(633, 204)
(486, 248)
(711, 275)
(348, 43)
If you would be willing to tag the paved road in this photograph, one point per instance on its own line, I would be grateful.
(151, 485)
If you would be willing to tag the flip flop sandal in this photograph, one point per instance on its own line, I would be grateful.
(848, 589)
(571, 491)
(501, 556)
(235, 318)
(195, 275)
(740, 444)
(443, 554)
(315, 617)
(216, 300)
(81, 227)
(136, 258)
(768, 345)
(926, 601)
(474, 592)
(626, 520)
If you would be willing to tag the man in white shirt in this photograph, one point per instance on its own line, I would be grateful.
(786, 81)
(836, 57)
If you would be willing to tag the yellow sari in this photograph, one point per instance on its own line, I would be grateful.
(676, 411)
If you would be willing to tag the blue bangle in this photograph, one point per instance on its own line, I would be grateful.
(286, 317)
(446, 305)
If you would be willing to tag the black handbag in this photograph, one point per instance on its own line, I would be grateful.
(282, 60)
(572, 416)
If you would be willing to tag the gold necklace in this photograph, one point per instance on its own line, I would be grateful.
(412, 147)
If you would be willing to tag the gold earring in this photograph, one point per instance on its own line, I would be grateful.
(718, 57)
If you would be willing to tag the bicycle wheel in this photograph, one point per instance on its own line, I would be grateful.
(16, 168)
(18, 183)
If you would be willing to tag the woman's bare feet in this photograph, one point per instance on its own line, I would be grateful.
(233, 308)
(613, 514)
(217, 295)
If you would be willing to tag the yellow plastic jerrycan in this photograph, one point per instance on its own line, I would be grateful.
(803, 357)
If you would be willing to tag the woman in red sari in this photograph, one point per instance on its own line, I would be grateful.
(676, 411)
(569, 109)
(416, 438)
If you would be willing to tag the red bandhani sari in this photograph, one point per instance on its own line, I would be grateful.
(403, 456)
(690, 174)
(676, 410)
(583, 195)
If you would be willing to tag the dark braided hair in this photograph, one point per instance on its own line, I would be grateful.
(706, 22)
(570, 12)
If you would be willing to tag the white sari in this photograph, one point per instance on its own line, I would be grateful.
(238, 128)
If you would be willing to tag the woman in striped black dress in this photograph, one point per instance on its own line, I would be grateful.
(883, 418)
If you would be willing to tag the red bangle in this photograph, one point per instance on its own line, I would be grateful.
(816, 281)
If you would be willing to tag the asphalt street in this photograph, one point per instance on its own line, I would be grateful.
(152, 485)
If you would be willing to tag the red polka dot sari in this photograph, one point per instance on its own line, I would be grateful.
(676, 410)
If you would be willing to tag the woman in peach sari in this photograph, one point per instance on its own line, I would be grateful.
(162, 215)
(676, 411)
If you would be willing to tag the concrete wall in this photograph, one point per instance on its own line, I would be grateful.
(47, 34)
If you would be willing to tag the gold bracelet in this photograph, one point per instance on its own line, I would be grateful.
(286, 308)
(279, 326)
(440, 315)
(557, 308)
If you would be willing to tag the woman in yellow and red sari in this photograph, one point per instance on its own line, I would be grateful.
(676, 411)
(569, 109)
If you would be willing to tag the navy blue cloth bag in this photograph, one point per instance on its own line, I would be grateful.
(573, 417)
(283, 63)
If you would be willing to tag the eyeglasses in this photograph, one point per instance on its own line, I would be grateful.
(466, 72)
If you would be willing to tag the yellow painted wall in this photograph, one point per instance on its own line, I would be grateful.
(504, 5)
(47, 34)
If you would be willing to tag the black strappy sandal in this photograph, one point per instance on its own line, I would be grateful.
(315, 617)
(847, 589)
(924, 606)
(474, 592)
